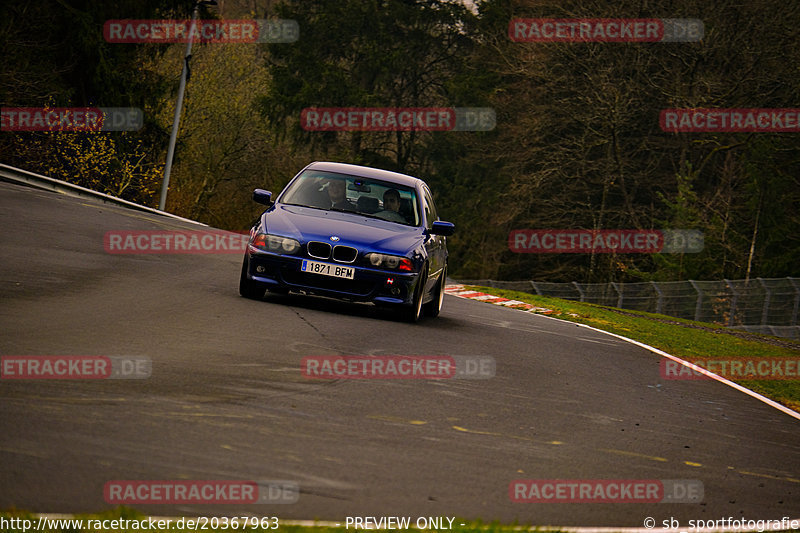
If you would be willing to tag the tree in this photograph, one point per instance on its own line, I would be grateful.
(55, 55)
(579, 140)
(378, 53)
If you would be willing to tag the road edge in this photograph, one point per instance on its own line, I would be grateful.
(458, 291)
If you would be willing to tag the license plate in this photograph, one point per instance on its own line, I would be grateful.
(326, 269)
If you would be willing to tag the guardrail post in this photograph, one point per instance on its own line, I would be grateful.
(793, 321)
(538, 292)
(619, 292)
(580, 291)
(767, 298)
(660, 294)
(698, 306)
(734, 301)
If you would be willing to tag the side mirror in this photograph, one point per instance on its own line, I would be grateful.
(440, 227)
(262, 197)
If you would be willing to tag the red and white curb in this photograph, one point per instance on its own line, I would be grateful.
(461, 292)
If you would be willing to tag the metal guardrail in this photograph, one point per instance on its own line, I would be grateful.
(769, 306)
(17, 175)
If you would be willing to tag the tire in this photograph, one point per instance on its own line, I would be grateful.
(249, 288)
(433, 307)
(413, 312)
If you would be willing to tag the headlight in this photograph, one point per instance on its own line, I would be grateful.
(392, 262)
(275, 244)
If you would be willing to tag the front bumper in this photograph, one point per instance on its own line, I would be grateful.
(367, 285)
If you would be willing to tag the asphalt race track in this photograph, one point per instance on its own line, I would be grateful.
(227, 401)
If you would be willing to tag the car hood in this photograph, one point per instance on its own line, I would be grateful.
(365, 233)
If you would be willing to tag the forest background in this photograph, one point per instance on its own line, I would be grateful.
(577, 142)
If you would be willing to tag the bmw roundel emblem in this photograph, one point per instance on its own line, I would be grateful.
(334, 238)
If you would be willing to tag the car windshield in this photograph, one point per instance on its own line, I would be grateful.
(341, 192)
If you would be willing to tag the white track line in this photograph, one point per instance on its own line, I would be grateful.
(757, 396)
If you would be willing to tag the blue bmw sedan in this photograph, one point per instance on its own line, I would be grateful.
(354, 233)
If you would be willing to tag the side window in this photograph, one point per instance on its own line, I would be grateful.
(430, 209)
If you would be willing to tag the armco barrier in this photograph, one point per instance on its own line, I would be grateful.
(17, 175)
(762, 305)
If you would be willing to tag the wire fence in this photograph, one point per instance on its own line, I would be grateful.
(761, 305)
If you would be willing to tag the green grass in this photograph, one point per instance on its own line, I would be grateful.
(686, 339)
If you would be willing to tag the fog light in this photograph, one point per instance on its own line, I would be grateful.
(260, 269)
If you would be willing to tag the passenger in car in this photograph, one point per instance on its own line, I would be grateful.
(391, 207)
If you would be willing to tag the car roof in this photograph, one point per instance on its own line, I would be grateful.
(366, 172)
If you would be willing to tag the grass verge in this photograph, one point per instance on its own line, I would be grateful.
(686, 339)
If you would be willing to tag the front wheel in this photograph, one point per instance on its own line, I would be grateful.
(249, 288)
(433, 307)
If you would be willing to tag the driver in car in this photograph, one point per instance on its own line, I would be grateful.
(337, 194)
